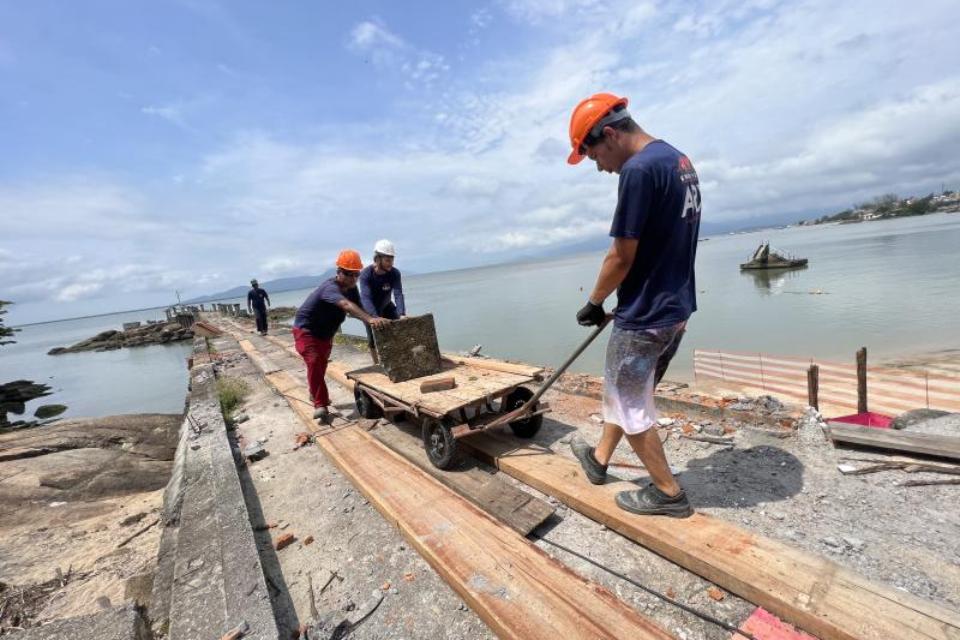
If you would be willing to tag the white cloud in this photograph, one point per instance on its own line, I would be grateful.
(285, 266)
(77, 290)
(369, 35)
(170, 112)
(543, 237)
(420, 67)
(536, 11)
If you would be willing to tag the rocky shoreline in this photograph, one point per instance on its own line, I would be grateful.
(154, 333)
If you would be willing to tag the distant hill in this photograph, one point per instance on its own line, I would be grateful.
(291, 283)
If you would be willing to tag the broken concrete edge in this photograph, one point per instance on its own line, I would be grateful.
(121, 623)
(768, 424)
(205, 499)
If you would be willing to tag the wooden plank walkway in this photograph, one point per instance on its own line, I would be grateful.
(519, 510)
(810, 591)
(517, 589)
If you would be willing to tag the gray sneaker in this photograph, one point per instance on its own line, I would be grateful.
(596, 472)
(322, 415)
(650, 501)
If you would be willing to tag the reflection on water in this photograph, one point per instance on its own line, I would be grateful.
(769, 281)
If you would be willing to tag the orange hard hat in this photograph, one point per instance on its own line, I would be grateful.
(349, 260)
(590, 115)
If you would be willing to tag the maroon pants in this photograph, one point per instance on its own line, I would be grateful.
(316, 355)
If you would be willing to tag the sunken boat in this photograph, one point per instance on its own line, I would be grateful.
(765, 258)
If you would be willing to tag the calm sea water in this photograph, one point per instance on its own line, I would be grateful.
(889, 286)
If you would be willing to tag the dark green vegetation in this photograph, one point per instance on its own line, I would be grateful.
(891, 205)
(231, 392)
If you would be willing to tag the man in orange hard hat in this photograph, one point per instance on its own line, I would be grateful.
(651, 265)
(319, 318)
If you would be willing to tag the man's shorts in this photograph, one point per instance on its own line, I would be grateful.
(636, 362)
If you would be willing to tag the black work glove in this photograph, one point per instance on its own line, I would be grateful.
(591, 315)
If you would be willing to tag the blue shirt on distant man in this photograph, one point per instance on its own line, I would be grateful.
(381, 290)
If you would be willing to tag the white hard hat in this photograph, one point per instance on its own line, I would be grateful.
(384, 248)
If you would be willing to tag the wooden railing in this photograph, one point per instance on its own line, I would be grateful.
(890, 391)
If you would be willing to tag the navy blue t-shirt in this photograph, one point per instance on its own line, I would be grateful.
(319, 314)
(376, 290)
(255, 298)
(659, 205)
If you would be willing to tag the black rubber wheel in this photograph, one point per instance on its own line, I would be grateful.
(527, 427)
(439, 443)
(366, 407)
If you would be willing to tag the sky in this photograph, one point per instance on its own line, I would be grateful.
(155, 147)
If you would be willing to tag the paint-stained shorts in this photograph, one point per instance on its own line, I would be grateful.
(636, 362)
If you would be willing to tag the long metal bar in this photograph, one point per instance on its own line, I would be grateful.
(559, 372)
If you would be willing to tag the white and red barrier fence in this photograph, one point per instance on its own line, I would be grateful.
(815, 382)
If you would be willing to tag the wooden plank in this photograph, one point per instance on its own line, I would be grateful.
(496, 365)
(930, 444)
(262, 362)
(804, 589)
(516, 588)
(517, 509)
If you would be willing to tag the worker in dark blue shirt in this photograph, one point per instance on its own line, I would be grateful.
(381, 290)
(257, 303)
(319, 318)
(650, 264)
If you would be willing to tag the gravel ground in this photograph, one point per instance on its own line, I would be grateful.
(785, 488)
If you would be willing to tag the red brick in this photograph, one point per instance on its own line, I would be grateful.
(284, 540)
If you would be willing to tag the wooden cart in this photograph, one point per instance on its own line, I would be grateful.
(488, 393)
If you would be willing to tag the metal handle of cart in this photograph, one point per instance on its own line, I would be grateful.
(527, 406)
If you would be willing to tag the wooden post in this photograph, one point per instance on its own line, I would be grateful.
(862, 380)
(813, 386)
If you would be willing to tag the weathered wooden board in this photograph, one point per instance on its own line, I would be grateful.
(807, 590)
(930, 444)
(263, 362)
(517, 509)
(517, 589)
(495, 365)
(473, 384)
(408, 348)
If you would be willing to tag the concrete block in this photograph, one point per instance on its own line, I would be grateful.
(408, 348)
(209, 574)
(121, 623)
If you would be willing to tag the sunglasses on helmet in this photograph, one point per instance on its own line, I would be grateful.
(595, 134)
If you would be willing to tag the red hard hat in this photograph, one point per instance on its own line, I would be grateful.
(586, 116)
(349, 260)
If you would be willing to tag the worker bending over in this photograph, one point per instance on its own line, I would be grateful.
(319, 318)
(651, 265)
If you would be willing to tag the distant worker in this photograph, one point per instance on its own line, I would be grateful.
(381, 290)
(257, 303)
(651, 265)
(319, 318)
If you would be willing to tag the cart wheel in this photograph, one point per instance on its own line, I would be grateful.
(366, 407)
(527, 427)
(439, 442)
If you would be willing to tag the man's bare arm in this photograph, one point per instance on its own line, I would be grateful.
(360, 314)
(615, 267)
